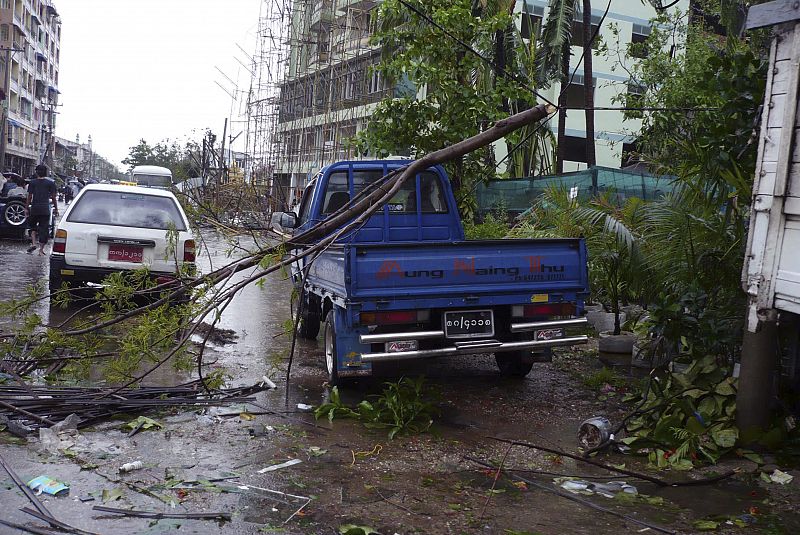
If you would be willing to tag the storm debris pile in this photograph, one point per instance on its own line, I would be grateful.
(43, 406)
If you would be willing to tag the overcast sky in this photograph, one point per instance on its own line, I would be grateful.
(133, 69)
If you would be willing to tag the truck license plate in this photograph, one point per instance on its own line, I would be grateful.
(468, 323)
(125, 253)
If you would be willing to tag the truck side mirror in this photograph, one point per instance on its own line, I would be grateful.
(285, 219)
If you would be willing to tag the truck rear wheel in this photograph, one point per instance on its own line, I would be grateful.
(330, 348)
(308, 323)
(514, 363)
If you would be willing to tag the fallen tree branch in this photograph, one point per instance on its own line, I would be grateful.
(157, 515)
(610, 468)
(574, 498)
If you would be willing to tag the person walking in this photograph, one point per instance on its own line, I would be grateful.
(41, 192)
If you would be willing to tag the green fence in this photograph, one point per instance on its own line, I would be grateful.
(519, 194)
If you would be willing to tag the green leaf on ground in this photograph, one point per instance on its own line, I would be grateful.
(352, 529)
(705, 525)
(112, 495)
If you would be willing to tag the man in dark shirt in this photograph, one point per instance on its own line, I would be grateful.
(41, 192)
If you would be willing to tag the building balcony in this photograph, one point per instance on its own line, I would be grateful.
(322, 13)
(342, 5)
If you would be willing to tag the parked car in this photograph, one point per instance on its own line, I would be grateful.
(13, 217)
(407, 285)
(110, 228)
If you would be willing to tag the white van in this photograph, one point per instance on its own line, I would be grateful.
(153, 176)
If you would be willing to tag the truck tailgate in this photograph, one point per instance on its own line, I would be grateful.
(469, 268)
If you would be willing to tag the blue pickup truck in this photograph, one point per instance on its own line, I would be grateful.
(407, 285)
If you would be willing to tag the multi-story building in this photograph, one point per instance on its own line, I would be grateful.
(627, 21)
(30, 51)
(329, 89)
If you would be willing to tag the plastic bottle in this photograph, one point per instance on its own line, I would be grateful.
(130, 467)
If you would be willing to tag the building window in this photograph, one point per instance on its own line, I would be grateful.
(375, 80)
(575, 149)
(577, 30)
(531, 21)
(639, 35)
(635, 95)
(630, 154)
(574, 97)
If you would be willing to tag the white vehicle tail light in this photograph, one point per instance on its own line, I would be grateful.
(188, 251)
(60, 242)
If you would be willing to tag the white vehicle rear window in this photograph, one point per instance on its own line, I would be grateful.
(127, 210)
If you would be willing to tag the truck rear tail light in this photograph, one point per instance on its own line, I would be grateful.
(544, 309)
(60, 242)
(394, 317)
(188, 251)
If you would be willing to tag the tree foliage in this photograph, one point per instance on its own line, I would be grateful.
(456, 94)
(183, 160)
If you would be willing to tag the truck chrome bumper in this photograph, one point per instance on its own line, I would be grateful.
(430, 335)
(489, 346)
(469, 347)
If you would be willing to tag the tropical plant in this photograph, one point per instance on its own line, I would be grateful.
(402, 407)
(686, 417)
(613, 237)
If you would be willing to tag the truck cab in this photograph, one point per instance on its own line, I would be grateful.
(423, 210)
(406, 285)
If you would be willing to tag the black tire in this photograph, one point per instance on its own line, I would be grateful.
(309, 322)
(329, 342)
(15, 214)
(514, 363)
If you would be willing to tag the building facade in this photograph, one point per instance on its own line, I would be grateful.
(329, 89)
(30, 53)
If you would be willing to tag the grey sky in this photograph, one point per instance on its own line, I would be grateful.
(133, 69)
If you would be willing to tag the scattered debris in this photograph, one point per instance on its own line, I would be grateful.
(60, 436)
(142, 423)
(352, 529)
(112, 495)
(158, 515)
(261, 431)
(265, 381)
(304, 407)
(41, 511)
(279, 493)
(777, 476)
(594, 431)
(42, 406)
(16, 427)
(607, 490)
(216, 335)
(274, 467)
(47, 485)
(573, 497)
(130, 467)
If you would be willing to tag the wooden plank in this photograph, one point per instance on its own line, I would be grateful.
(771, 145)
(777, 113)
(783, 42)
(780, 77)
(772, 13)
